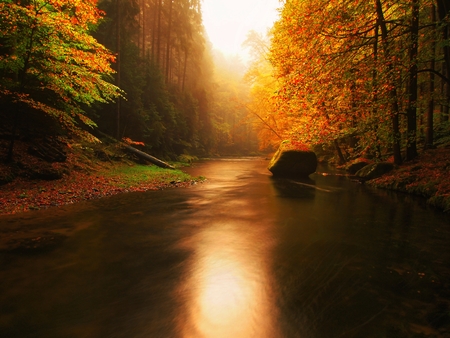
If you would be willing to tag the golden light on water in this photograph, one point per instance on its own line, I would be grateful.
(229, 293)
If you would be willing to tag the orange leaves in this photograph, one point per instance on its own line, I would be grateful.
(129, 141)
(55, 52)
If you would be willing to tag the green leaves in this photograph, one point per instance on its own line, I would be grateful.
(49, 60)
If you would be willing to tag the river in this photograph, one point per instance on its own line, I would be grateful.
(241, 255)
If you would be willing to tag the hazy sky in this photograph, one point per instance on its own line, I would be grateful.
(227, 22)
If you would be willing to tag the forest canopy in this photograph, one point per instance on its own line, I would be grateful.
(360, 78)
(136, 70)
(368, 78)
(50, 64)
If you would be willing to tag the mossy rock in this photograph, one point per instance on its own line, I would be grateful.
(353, 167)
(374, 170)
(293, 163)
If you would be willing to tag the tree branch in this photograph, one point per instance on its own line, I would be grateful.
(429, 70)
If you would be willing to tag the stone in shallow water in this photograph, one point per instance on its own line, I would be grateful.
(352, 168)
(293, 163)
(374, 170)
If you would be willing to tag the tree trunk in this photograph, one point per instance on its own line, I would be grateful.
(411, 115)
(21, 77)
(158, 45)
(144, 10)
(154, 16)
(169, 32)
(393, 90)
(118, 67)
(443, 8)
(148, 157)
(375, 88)
(185, 69)
(339, 152)
(430, 114)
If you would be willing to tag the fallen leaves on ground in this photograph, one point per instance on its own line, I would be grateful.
(24, 195)
(427, 176)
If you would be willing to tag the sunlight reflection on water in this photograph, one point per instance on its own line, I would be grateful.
(229, 294)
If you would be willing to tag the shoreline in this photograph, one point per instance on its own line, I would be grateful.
(427, 176)
(20, 198)
(25, 195)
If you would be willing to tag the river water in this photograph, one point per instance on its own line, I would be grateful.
(241, 255)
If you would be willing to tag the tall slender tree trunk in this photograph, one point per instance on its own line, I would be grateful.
(446, 116)
(443, 8)
(144, 28)
(430, 113)
(375, 87)
(169, 32)
(140, 23)
(154, 16)
(393, 91)
(21, 78)
(118, 47)
(411, 115)
(185, 69)
(158, 45)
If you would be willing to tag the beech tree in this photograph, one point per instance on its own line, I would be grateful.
(263, 114)
(50, 63)
(359, 75)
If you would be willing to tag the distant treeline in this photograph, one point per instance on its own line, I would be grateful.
(135, 69)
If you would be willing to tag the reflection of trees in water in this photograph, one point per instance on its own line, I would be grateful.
(394, 288)
(326, 295)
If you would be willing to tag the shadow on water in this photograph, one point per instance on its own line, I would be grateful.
(375, 263)
(242, 255)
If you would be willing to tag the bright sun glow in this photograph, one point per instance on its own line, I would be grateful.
(227, 22)
(228, 286)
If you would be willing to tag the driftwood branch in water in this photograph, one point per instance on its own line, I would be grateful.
(311, 186)
(148, 157)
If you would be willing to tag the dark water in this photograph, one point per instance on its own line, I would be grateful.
(240, 256)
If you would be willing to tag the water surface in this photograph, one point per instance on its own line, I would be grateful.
(242, 255)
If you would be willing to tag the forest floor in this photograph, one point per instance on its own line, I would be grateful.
(84, 177)
(427, 176)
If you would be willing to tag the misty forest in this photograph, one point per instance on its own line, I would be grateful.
(357, 77)
(154, 185)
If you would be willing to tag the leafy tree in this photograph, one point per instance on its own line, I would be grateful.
(353, 74)
(50, 63)
(262, 110)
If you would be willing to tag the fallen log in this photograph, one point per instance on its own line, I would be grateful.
(148, 157)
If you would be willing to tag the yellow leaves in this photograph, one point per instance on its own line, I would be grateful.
(53, 49)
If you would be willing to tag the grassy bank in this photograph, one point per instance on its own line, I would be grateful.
(24, 194)
(87, 173)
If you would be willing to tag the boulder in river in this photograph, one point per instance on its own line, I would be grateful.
(353, 167)
(374, 170)
(293, 163)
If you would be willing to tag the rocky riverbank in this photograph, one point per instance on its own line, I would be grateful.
(427, 176)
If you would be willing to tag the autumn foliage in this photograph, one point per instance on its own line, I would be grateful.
(365, 77)
(49, 62)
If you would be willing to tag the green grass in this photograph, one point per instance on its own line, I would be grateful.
(134, 175)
